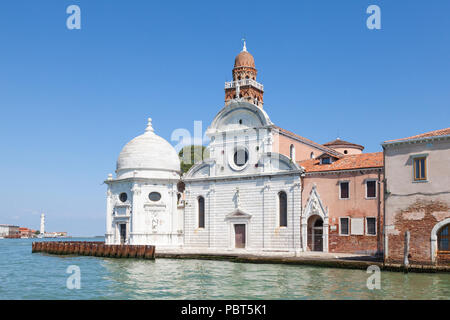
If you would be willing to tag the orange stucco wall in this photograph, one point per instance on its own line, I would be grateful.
(357, 206)
(282, 144)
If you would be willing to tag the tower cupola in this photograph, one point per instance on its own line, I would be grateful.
(244, 85)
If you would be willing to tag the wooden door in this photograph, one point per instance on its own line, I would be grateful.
(239, 232)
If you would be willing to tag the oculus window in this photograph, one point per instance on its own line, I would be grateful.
(123, 197)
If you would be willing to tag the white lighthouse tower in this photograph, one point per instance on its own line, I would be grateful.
(42, 230)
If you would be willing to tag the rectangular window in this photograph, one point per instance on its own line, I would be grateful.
(344, 190)
(371, 189)
(201, 212)
(283, 208)
(326, 160)
(343, 226)
(371, 226)
(420, 171)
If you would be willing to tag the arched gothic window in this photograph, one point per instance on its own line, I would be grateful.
(282, 198)
(201, 212)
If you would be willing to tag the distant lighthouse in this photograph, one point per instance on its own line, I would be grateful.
(42, 231)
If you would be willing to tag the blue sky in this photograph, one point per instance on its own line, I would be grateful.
(71, 99)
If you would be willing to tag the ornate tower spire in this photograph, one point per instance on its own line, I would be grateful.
(244, 85)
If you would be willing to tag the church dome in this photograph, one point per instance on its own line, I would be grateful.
(147, 154)
(244, 59)
(344, 147)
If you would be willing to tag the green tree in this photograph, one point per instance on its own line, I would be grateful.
(190, 155)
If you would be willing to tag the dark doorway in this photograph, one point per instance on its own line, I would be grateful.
(239, 232)
(315, 233)
(123, 233)
(318, 235)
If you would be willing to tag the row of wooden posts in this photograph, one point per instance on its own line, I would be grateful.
(98, 249)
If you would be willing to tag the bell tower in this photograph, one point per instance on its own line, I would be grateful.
(244, 85)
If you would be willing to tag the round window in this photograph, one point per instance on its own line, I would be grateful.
(154, 196)
(240, 157)
(123, 197)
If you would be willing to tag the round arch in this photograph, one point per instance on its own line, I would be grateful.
(434, 237)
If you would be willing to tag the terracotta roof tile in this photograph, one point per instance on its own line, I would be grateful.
(435, 133)
(348, 162)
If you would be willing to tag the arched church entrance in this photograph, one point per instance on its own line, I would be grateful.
(315, 233)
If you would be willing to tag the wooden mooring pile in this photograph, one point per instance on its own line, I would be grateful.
(97, 249)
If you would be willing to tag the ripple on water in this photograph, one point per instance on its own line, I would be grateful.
(39, 276)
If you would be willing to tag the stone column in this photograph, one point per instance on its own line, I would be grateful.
(109, 212)
(135, 192)
(296, 217)
(325, 233)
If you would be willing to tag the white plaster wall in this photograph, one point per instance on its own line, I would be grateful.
(402, 188)
(148, 222)
(259, 198)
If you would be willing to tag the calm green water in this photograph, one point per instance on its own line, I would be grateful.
(24, 275)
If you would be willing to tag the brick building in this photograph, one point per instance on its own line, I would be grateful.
(417, 197)
(346, 190)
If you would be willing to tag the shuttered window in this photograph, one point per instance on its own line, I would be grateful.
(343, 226)
(371, 191)
(420, 171)
(344, 190)
(371, 227)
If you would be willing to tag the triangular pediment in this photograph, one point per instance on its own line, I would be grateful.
(238, 214)
(314, 205)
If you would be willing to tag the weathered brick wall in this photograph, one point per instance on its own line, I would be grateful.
(419, 219)
(352, 244)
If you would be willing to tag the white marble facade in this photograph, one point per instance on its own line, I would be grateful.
(239, 188)
(244, 193)
(142, 199)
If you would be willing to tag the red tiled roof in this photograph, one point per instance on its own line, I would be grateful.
(435, 133)
(317, 145)
(348, 162)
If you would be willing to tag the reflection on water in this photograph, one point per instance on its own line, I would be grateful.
(38, 276)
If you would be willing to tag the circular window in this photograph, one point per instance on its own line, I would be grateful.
(154, 196)
(123, 197)
(345, 151)
(240, 157)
